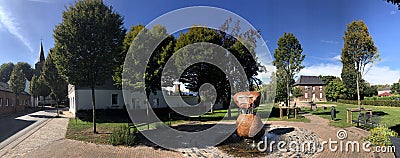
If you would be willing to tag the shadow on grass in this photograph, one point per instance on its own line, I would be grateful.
(379, 113)
(396, 128)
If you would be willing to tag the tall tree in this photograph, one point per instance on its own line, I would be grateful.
(288, 58)
(395, 2)
(359, 52)
(26, 69)
(54, 80)
(43, 89)
(5, 71)
(88, 41)
(327, 79)
(34, 89)
(17, 83)
(129, 37)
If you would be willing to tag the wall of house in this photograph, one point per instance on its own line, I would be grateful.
(23, 102)
(82, 99)
(308, 92)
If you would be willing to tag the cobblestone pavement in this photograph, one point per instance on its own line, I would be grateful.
(325, 132)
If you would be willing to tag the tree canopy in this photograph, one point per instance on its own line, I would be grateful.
(359, 52)
(5, 71)
(288, 61)
(88, 39)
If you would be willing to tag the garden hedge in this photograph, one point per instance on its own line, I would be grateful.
(393, 103)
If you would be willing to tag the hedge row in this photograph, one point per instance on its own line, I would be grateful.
(394, 97)
(393, 103)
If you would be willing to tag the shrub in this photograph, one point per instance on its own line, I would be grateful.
(122, 136)
(380, 136)
(393, 103)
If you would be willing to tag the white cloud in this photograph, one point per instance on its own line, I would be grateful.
(376, 75)
(9, 23)
(337, 57)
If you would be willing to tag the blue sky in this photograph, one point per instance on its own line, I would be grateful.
(319, 25)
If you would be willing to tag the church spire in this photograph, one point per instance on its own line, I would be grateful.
(41, 53)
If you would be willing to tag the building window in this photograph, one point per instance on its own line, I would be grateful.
(7, 102)
(306, 87)
(313, 88)
(320, 95)
(114, 99)
(1, 102)
(306, 95)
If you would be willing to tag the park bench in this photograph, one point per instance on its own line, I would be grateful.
(396, 144)
(367, 120)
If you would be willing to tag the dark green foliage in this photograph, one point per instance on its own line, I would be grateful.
(392, 103)
(122, 136)
(297, 92)
(395, 88)
(88, 44)
(5, 72)
(27, 70)
(359, 51)
(288, 58)
(54, 80)
(370, 91)
(335, 89)
(17, 80)
(327, 79)
(393, 97)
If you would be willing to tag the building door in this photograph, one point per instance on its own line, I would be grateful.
(313, 97)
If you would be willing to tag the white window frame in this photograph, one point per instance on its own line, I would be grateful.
(306, 95)
(320, 95)
(7, 101)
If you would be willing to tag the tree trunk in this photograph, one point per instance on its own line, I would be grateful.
(358, 92)
(288, 93)
(94, 110)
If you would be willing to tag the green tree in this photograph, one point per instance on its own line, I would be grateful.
(5, 71)
(370, 91)
(335, 89)
(43, 89)
(27, 70)
(54, 80)
(327, 79)
(359, 52)
(17, 83)
(88, 41)
(34, 89)
(129, 37)
(288, 58)
(297, 92)
(395, 88)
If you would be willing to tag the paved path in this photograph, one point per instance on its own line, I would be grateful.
(321, 128)
(48, 140)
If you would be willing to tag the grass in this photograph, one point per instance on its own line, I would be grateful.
(389, 115)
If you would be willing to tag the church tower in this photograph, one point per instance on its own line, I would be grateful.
(40, 63)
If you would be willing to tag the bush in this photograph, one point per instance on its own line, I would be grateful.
(122, 136)
(393, 103)
(380, 136)
(393, 97)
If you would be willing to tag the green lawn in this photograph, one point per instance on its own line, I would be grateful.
(390, 116)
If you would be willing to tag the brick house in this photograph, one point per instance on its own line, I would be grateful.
(8, 100)
(312, 87)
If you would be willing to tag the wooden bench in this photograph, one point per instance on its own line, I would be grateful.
(396, 144)
(367, 120)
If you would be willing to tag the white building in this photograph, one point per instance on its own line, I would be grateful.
(109, 96)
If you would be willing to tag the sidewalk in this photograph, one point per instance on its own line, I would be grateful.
(48, 140)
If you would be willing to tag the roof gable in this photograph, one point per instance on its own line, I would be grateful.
(309, 80)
